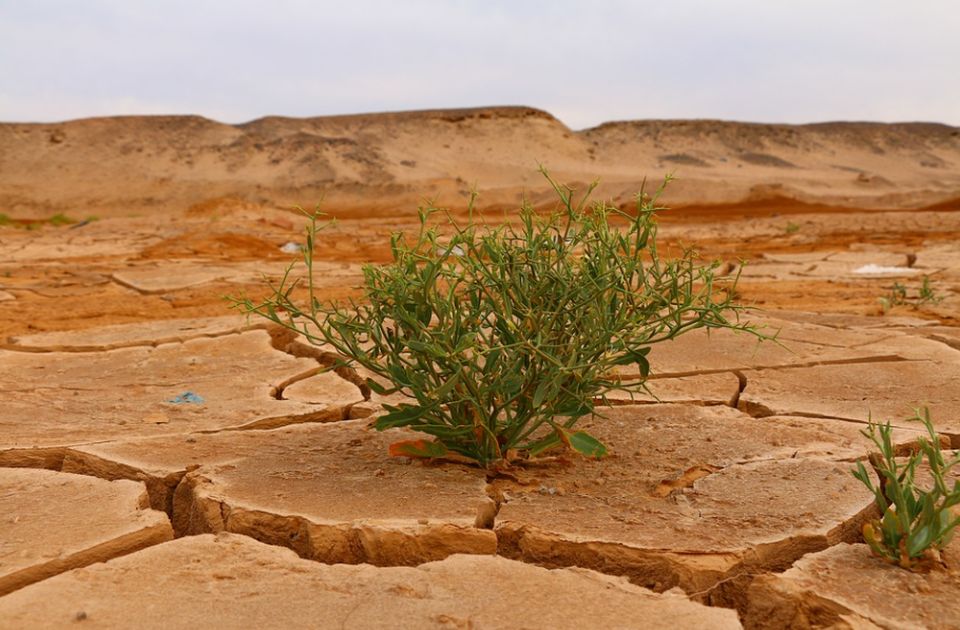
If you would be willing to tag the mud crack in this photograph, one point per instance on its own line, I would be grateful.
(287, 341)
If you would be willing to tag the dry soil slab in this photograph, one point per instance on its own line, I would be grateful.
(101, 239)
(234, 382)
(717, 388)
(134, 334)
(173, 275)
(857, 392)
(846, 587)
(845, 321)
(230, 581)
(329, 491)
(702, 351)
(696, 497)
(53, 522)
(947, 335)
(867, 268)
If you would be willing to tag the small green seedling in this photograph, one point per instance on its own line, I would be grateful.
(792, 228)
(898, 294)
(927, 293)
(61, 219)
(503, 337)
(916, 523)
(896, 297)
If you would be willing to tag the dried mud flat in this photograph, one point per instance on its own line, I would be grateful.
(165, 460)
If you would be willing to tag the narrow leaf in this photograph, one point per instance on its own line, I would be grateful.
(401, 416)
(376, 387)
(919, 540)
(582, 442)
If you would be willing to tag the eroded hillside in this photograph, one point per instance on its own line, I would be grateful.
(385, 163)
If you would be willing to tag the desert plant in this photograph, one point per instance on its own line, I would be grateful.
(61, 219)
(504, 336)
(915, 524)
(898, 294)
(896, 297)
(927, 294)
(792, 228)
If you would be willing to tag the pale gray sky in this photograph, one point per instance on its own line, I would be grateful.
(586, 62)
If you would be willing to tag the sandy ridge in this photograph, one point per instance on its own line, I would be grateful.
(388, 163)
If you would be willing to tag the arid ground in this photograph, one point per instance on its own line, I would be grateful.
(165, 462)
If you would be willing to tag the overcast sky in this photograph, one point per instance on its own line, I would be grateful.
(585, 62)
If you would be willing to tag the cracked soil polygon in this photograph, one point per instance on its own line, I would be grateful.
(329, 491)
(857, 392)
(229, 581)
(152, 333)
(846, 587)
(58, 399)
(53, 522)
(694, 497)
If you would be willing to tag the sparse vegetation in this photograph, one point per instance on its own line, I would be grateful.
(915, 523)
(60, 219)
(792, 228)
(927, 293)
(898, 296)
(57, 220)
(503, 337)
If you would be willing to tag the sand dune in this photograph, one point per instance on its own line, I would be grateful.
(386, 163)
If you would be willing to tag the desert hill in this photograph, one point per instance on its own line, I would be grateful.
(385, 163)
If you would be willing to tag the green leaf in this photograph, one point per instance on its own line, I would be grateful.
(398, 375)
(631, 357)
(465, 342)
(546, 389)
(447, 387)
(919, 540)
(492, 360)
(574, 409)
(399, 416)
(426, 348)
(582, 442)
(376, 387)
(890, 525)
(541, 446)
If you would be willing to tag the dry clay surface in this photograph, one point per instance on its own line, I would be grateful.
(137, 408)
(242, 583)
(844, 585)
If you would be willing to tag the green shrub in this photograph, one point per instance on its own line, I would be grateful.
(915, 524)
(504, 336)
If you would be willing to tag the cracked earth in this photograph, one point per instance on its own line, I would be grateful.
(159, 452)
